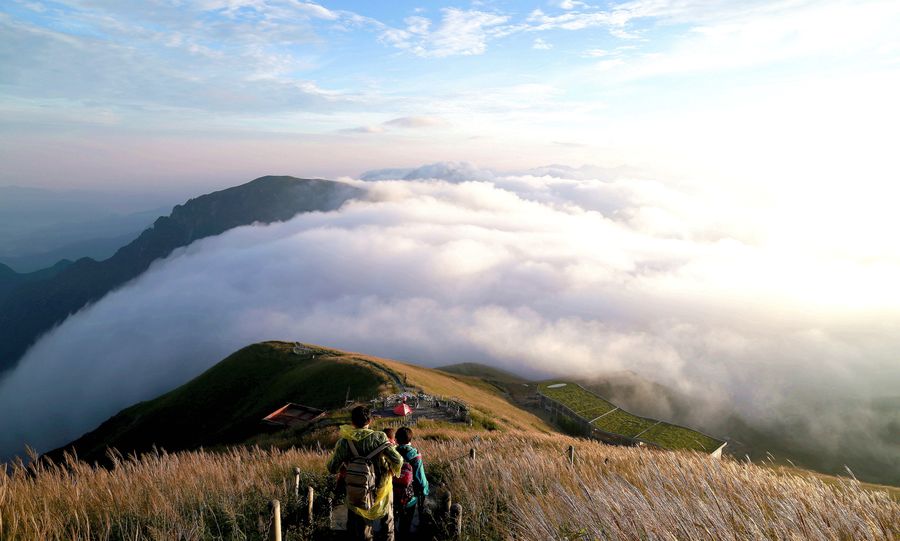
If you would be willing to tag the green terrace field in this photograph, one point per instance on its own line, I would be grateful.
(623, 423)
(577, 399)
(677, 437)
(607, 417)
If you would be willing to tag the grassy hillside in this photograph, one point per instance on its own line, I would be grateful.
(609, 418)
(591, 406)
(482, 397)
(226, 403)
(482, 371)
(520, 486)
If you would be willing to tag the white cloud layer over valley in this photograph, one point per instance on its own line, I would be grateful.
(535, 273)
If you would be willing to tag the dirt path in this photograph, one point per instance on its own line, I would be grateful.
(401, 388)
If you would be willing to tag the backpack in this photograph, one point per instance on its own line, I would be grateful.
(360, 478)
(404, 491)
(403, 485)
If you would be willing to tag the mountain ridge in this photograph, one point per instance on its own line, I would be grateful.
(225, 404)
(31, 309)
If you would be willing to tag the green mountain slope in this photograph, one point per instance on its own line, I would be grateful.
(226, 403)
(35, 307)
(482, 371)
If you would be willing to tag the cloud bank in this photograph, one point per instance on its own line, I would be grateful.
(535, 273)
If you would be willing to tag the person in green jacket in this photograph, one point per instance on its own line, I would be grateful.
(362, 522)
(412, 456)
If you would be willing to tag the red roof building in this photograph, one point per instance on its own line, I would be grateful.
(293, 414)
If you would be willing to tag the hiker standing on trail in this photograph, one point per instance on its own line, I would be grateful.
(411, 486)
(370, 462)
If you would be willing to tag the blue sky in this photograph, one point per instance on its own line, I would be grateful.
(169, 92)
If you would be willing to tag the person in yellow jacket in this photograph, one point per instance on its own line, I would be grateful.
(362, 522)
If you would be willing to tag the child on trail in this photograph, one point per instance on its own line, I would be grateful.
(389, 432)
(411, 485)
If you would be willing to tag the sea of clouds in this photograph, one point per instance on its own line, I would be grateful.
(556, 271)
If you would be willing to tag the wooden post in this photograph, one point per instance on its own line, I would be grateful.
(297, 482)
(448, 504)
(572, 454)
(275, 530)
(472, 453)
(456, 515)
(310, 497)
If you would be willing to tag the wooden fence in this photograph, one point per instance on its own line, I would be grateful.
(449, 513)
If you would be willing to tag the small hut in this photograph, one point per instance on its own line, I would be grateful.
(293, 414)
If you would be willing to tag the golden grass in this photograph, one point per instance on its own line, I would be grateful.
(892, 492)
(474, 393)
(520, 486)
(629, 493)
(190, 496)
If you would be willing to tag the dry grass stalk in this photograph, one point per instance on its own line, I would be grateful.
(520, 486)
(523, 488)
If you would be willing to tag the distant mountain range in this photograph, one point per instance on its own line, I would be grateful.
(32, 304)
(98, 238)
(10, 279)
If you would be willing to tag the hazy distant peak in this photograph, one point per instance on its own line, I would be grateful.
(6, 271)
(448, 171)
(467, 171)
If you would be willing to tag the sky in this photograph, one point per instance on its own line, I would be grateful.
(749, 95)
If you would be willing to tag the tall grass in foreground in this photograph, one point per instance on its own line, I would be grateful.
(195, 495)
(524, 488)
(519, 486)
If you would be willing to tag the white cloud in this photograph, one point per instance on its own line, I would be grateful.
(572, 4)
(415, 122)
(460, 32)
(417, 25)
(540, 44)
(531, 272)
(237, 57)
(364, 129)
(315, 10)
(402, 123)
(539, 20)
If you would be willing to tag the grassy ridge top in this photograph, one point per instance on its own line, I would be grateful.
(226, 403)
(607, 417)
(474, 391)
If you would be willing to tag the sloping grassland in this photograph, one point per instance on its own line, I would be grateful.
(520, 486)
(607, 417)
